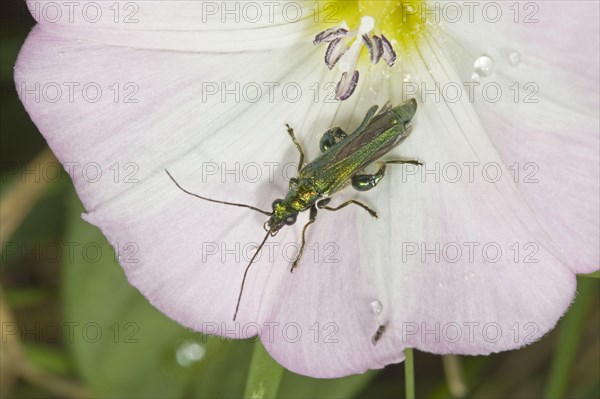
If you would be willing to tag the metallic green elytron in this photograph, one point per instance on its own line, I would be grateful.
(342, 162)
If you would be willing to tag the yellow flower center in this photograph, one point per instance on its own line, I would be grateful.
(402, 22)
(389, 30)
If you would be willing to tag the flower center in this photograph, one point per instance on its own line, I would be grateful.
(383, 27)
(400, 21)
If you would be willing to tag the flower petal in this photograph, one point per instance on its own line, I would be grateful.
(321, 320)
(545, 124)
(180, 25)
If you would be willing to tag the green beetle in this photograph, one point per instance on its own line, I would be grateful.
(342, 162)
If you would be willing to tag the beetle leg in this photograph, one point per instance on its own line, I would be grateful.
(323, 205)
(367, 182)
(330, 137)
(311, 220)
(403, 161)
(298, 146)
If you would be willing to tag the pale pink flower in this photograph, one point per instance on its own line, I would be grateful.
(428, 268)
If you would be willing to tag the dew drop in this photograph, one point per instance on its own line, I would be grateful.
(514, 58)
(376, 307)
(188, 353)
(484, 66)
(475, 77)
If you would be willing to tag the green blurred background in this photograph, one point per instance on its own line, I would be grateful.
(73, 327)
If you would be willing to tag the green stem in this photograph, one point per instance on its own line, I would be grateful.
(264, 375)
(569, 336)
(409, 373)
(455, 376)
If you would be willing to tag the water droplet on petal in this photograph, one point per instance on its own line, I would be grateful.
(475, 77)
(376, 307)
(514, 58)
(484, 66)
(188, 353)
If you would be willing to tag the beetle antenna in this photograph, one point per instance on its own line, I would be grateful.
(237, 306)
(217, 201)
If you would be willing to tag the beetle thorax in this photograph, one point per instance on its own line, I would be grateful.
(301, 196)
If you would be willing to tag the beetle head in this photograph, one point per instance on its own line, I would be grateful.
(283, 215)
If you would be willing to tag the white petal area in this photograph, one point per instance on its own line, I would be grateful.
(463, 255)
(182, 25)
(541, 286)
(545, 123)
(323, 321)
